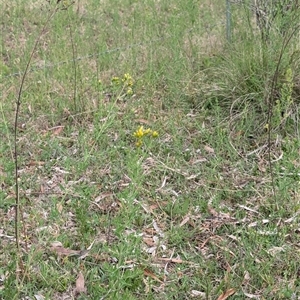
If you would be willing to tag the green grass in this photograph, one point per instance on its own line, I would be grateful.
(190, 213)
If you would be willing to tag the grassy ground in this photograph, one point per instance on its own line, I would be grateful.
(110, 211)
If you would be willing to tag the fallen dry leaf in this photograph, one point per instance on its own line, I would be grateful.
(59, 207)
(172, 260)
(246, 278)
(184, 221)
(213, 212)
(275, 250)
(149, 241)
(103, 196)
(36, 163)
(56, 130)
(80, 287)
(39, 297)
(148, 273)
(142, 121)
(209, 149)
(58, 248)
(195, 293)
(252, 296)
(157, 229)
(226, 294)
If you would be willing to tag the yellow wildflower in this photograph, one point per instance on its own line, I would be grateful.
(129, 91)
(154, 133)
(266, 127)
(147, 131)
(139, 143)
(115, 80)
(127, 79)
(140, 132)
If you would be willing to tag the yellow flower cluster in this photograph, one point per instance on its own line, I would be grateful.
(115, 80)
(127, 79)
(127, 82)
(141, 132)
